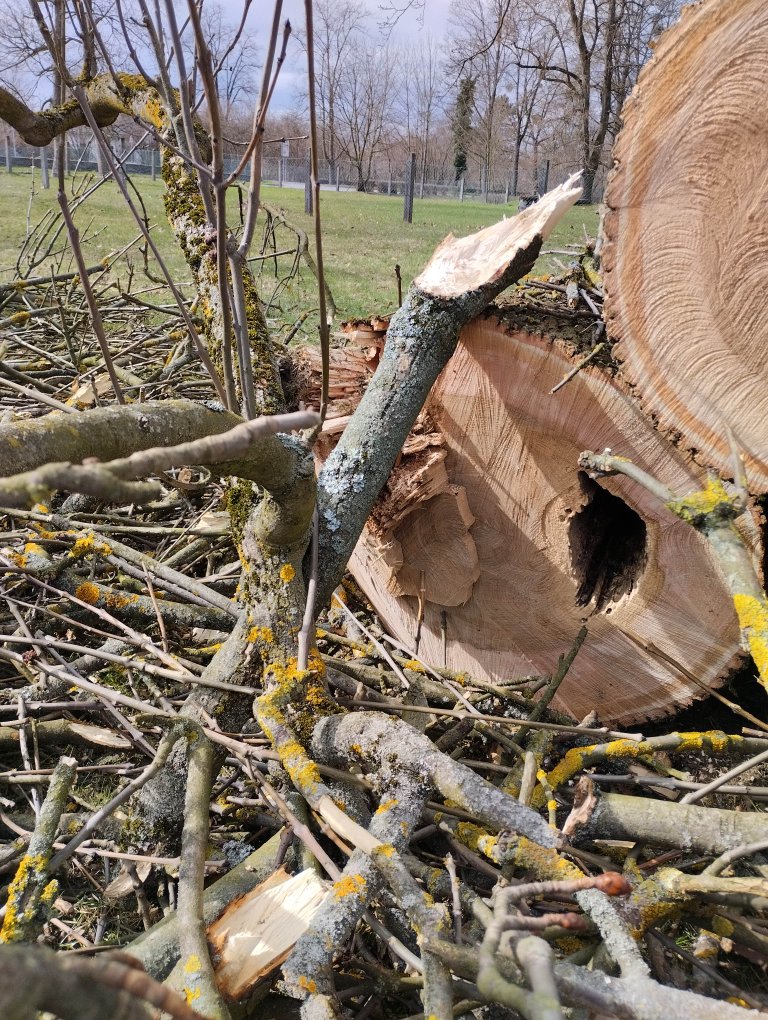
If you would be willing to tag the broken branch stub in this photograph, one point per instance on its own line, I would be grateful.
(685, 266)
(464, 264)
(461, 279)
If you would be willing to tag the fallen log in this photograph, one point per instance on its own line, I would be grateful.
(684, 261)
(488, 527)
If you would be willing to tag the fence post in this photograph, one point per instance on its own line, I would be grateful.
(152, 167)
(506, 193)
(461, 188)
(389, 181)
(280, 172)
(8, 162)
(44, 168)
(337, 176)
(545, 183)
(308, 189)
(410, 183)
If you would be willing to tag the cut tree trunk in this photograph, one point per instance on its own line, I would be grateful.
(686, 255)
(488, 518)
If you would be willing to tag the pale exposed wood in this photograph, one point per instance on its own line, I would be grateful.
(123, 886)
(351, 368)
(98, 735)
(256, 933)
(469, 263)
(436, 544)
(686, 254)
(510, 463)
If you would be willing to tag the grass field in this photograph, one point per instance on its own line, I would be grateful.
(364, 236)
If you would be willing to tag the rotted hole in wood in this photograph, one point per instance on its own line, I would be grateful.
(608, 547)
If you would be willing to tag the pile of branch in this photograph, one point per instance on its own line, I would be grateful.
(103, 678)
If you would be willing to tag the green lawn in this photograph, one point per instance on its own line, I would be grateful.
(364, 237)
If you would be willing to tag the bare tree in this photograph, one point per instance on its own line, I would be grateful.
(480, 48)
(235, 56)
(526, 90)
(593, 52)
(364, 103)
(643, 21)
(421, 94)
(339, 31)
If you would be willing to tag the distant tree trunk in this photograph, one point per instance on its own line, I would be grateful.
(515, 164)
(588, 177)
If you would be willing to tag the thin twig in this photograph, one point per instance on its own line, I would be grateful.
(324, 325)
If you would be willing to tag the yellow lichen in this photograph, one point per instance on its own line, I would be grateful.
(317, 696)
(544, 863)
(307, 984)
(33, 547)
(713, 497)
(287, 573)
(87, 592)
(192, 966)
(753, 618)
(18, 318)
(261, 634)
(476, 838)
(414, 665)
(208, 649)
(303, 771)
(651, 906)
(722, 926)
(348, 885)
(29, 873)
(385, 805)
(579, 758)
(87, 544)
(113, 600)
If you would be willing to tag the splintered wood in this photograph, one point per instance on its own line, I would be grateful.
(256, 933)
(513, 546)
(686, 255)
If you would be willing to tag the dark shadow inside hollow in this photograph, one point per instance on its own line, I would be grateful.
(608, 547)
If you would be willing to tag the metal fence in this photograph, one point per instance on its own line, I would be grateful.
(431, 182)
(292, 172)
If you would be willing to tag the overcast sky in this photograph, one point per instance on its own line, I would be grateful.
(433, 21)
